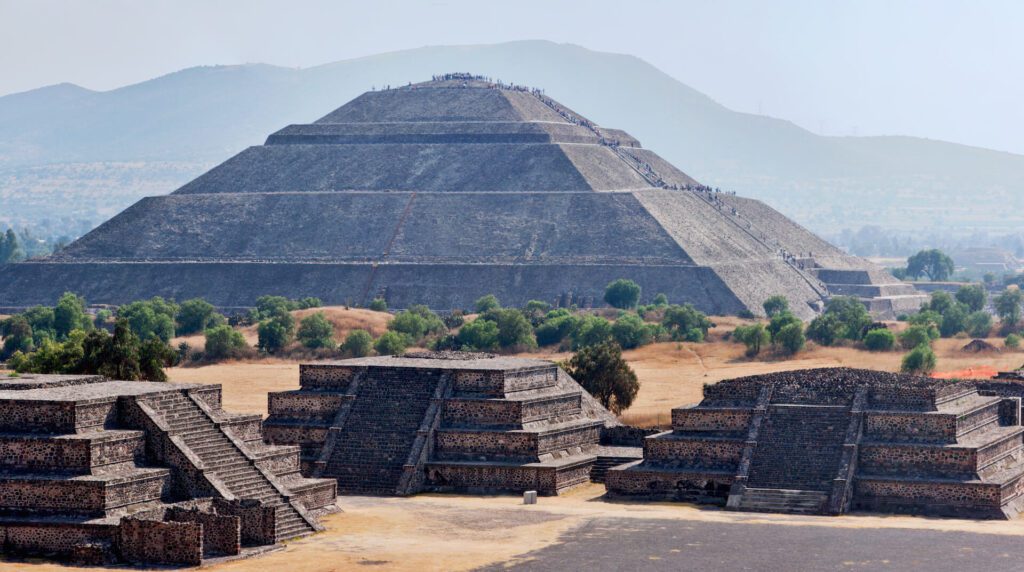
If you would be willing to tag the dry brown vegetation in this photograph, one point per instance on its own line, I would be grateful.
(671, 374)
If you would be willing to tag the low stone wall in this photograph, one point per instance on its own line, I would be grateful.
(84, 543)
(222, 534)
(325, 376)
(910, 427)
(712, 420)
(919, 460)
(257, 523)
(929, 497)
(688, 486)
(305, 404)
(497, 478)
(702, 453)
(157, 542)
(626, 435)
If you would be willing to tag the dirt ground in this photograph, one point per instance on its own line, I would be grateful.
(450, 532)
(671, 374)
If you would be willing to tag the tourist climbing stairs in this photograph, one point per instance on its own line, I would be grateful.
(226, 461)
(380, 430)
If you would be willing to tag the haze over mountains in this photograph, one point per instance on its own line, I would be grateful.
(68, 152)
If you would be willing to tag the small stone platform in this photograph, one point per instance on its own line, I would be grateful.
(100, 471)
(440, 421)
(826, 441)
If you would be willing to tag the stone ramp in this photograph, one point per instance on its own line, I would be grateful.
(782, 500)
(380, 430)
(227, 462)
(799, 447)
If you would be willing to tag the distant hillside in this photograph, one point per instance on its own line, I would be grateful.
(183, 122)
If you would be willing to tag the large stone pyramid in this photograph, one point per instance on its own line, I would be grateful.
(441, 192)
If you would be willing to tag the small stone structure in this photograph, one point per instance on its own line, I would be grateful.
(440, 421)
(99, 471)
(830, 440)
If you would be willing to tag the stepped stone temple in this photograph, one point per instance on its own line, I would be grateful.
(438, 193)
(101, 471)
(441, 421)
(827, 441)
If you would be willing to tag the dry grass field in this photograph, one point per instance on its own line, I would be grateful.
(671, 374)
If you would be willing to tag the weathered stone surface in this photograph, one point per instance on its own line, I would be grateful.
(441, 192)
(831, 440)
(440, 421)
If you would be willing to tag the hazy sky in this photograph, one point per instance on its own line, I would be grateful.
(933, 68)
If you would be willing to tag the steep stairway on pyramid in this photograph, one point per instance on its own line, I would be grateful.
(827, 441)
(439, 192)
(797, 457)
(185, 418)
(440, 421)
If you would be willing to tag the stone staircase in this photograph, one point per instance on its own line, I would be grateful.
(226, 461)
(799, 447)
(783, 500)
(372, 447)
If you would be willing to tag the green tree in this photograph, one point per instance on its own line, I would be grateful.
(309, 302)
(974, 296)
(781, 320)
(592, 331)
(790, 338)
(154, 356)
(686, 323)
(660, 300)
(557, 326)
(69, 314)
(197, 315)
(481, 335)
(1008, 308)
(10, 247)
(1012, 341)
(930, 320)
(120, 358)
(916, 336)
(775, 305)
(391, 343)
(17, 334)
(535, 310)
(486, 303)
(934, 264)
(417, 322)
(514, 330)
(851, 314)
(275, 333)
(358, 343)
(920, 361)
(826, 329)
(978, 324)
(622, 293)
(102, 318)
(754, 336)
(379, 305)
(223, 342)
(940, 302)
(630, 331)
(602, 371)
(153, 317)
(270, 306)
(879, 340)
(954, 320)
(316, 332)
(41, 320)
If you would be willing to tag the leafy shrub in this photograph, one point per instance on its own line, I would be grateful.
(514, 330)
(781, 320)
(920, 360)
(916, 336)
(557, 326)
(686, 323)
(592, 331)
(69, 314)
(391, 343)
(790, 339)
(879, 340)
(978, 324)
(479, 335)
(974, 296)
(223, 342)
(602, 371)
(630, 331)
(660, 300)
(486, 303)
(1012, 341)
(149, 318)
(754, 336)
(775, 305)
(379, 305)
(358, 343)
(309, 302)
(316, 332)
(196, 315)
(276, 333)
(622, 294)
(416, 322)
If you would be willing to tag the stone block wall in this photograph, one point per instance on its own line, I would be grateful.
(157, 542)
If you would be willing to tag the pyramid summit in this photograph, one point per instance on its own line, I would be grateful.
(441, 192)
